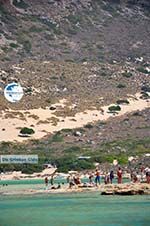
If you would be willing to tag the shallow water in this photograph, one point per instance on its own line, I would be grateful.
(89, 209)
(19, 185)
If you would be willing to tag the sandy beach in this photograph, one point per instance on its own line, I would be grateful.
(109, 189)
(18, 175)
(42, 120)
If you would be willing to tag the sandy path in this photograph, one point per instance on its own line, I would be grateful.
(9, 127)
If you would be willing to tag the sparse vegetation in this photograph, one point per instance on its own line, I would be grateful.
(122, 102)
(72, 31)
(66, 158)
(66, 130)
(27, 46)
(143, 70)
(64, 53)
(20, 4)
(121, 86)
(26, 130)
(114, 108)
(127, 74)
(13, 45)
(88, 126)
(35, 29)
(28, 90)
(74, 18)
(145, 88)
(57, 137)
(2, 9)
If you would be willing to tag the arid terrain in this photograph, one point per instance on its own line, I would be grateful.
(74, 60)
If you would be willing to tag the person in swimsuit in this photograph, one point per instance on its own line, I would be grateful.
(97, 178)
(46, 182)
(119, 175)
(111, 176)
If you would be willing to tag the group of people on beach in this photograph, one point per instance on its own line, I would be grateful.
(109, 176)
(95, 178)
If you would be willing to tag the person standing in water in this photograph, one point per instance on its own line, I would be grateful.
(91, 178)
(119, 175)
(97, 178)
(52, 178)
(46, 182)
(111, 176)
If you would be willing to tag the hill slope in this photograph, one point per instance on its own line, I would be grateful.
(91, 53)
(74, 30)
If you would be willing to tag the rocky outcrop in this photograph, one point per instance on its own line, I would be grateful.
(126, 189)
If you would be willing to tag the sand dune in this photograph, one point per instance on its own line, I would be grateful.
(40, 119)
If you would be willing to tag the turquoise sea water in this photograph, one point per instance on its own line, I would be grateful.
(41, 181)
(84, 209)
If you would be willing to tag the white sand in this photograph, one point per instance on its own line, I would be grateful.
(18, 175)
(12, 125)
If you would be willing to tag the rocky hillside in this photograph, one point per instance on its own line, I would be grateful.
(89, 52)
(74, 30)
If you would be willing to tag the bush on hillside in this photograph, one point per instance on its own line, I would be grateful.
(88, 126)
(120, 86)
(26, 130)
(143, 70)
(20, 4)
(122, 102)
(127, 74)
(114, 108)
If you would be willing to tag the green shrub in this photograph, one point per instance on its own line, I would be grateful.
(27, 46)
(143, 70)
(122, 102)
(26, 130)
(103, 73)
(50, 24)
(73, 18)
(122, 159)
(71, 163)
(114, 108)
(120, 86)
(127, 74)
(20, 4)
(137, 113)
(72, 31)
(35, 29)
(88, 126)
(2, 9)
(72, 149)
(66, 130)
(5, 49)
(13, 45)
(57, 138)
(28, 90)
(31, 168)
